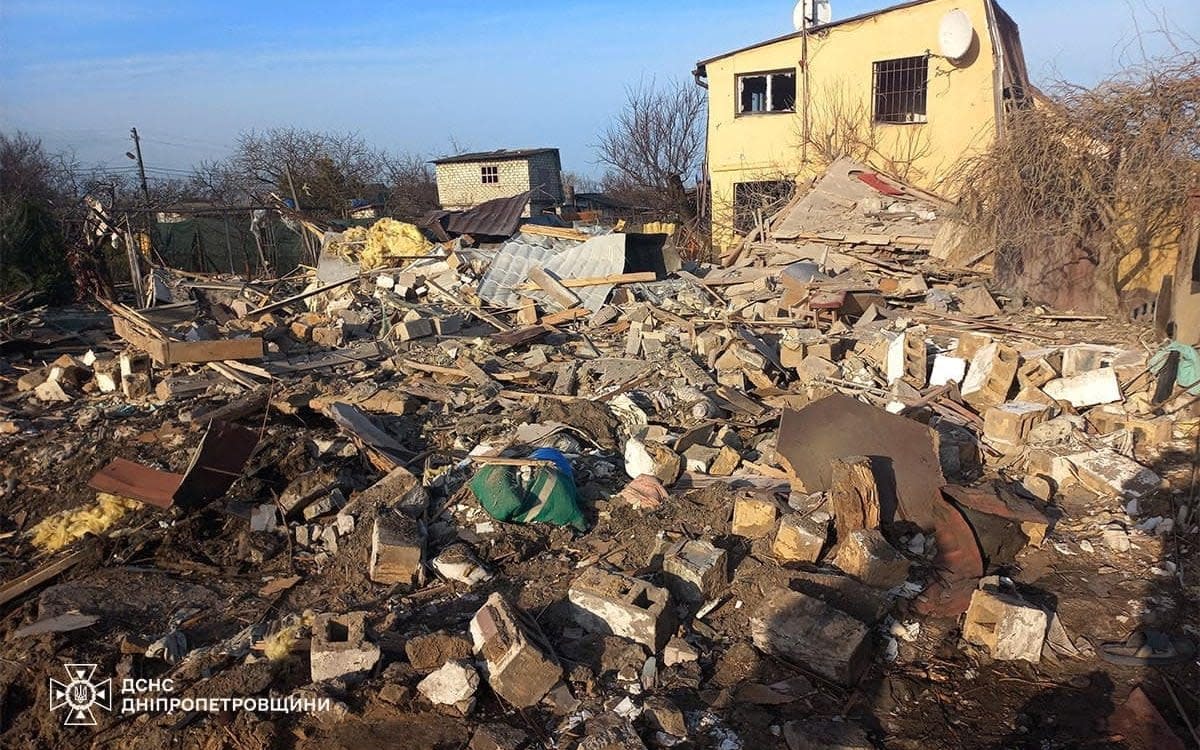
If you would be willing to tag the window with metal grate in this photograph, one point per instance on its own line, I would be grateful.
(900, 89)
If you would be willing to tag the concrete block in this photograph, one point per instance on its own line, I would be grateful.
(1006, 626)
(810, 632)
(412, 329)
(136, 386)
(1108, 473)
(906, 358)
(754, 516)
(615, 604)
(1086, 389)
(453, 684)
(107, 372)
(398, 489)
(990, 376)
(1008, 425)
(518, 669)
(725, 463)
(799, 539)
(947, 369)
(868, 557)
(695, 570)
(1035, 373)
(1146, 430)
(1080, 358)
(678, 651)
(397, 551)
(339, 646)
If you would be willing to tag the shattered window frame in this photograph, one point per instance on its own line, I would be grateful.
(900, 90)
(776, 85)
(489, 174)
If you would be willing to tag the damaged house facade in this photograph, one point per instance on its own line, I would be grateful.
(910, 90)
(467, 180)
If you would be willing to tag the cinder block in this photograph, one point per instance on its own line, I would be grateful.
(1008, 425)
(990, 376)
(906, 358)
(1006, 626)
(868, 557)
(810, 632)
(397, 551)
(611, 603)
(519, 670)
(754, 516)
(1035, 373)
(339, 646)
(799, 539)
(695, 570)
(107, 372)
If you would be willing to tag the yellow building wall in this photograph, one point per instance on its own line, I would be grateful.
(960, 106)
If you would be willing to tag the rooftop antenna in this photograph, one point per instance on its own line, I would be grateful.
(809, 13)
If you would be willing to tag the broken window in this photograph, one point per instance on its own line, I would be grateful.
(900, 88)
(490, 175)
(765, 197)
(767, 92)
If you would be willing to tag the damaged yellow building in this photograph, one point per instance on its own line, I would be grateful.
(910, 90)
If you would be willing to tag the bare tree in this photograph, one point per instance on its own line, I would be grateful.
(328, 170)
(412, 187)
(580, 183)
(654, 144)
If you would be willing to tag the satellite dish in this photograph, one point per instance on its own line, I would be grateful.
(809, 13)
(955, 34)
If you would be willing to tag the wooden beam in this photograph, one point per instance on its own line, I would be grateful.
(37, 577)
(615, 278)
(561, 233)
(553, 287)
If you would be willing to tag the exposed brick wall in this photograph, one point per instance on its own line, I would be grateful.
(460, 185)
(545, 171)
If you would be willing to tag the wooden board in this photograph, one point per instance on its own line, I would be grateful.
(164, 351)
(35, 578)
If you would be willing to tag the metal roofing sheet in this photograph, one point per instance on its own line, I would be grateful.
(599, 256)
(497, 155)
(500, 217)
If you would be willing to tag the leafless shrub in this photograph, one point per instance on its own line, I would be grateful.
(1102, 172)
(840, 123)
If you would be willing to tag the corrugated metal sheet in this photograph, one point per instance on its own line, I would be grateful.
(599, 256)
(498, 218)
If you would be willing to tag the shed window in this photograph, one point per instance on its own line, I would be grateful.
(489, 175)
(767, 92)
(900, 88)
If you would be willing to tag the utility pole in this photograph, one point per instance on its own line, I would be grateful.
(137, 150)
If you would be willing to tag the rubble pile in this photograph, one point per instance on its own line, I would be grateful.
(565, 491)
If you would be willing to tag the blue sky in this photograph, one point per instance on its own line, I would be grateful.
(419, 76)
